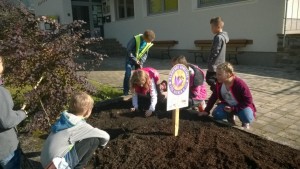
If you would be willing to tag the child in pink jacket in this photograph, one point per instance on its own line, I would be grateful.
(144, 83)
(198, 92)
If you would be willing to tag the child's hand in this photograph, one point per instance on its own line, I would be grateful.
(228, 109)
(132, 109)
(148, 113)
(165, 95)
(23, 106)
(25, 112)
(202, 114)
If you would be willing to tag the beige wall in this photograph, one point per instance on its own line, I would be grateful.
(60, 8)
(259, 20)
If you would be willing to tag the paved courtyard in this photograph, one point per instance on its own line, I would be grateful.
(276, 93)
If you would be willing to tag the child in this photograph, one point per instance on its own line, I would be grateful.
(218, 50)
(10, 154)
(137, 52)
(197, 93)
(72, 140)
(234, 95)
(163, 86)
(144, 82)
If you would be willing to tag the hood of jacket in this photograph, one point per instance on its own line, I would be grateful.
(66, 120)
(225, 36)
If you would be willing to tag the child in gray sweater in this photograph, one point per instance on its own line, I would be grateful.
(218, 50)
(72, 140)
(10, 154)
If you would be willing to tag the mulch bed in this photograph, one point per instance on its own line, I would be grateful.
(139, 142)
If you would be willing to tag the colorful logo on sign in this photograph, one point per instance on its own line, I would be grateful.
(178, 79)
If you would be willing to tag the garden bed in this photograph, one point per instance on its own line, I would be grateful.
(139, 142)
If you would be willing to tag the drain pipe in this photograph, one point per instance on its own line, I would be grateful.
(284, 27)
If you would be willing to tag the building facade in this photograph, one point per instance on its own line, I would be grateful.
(182, 20)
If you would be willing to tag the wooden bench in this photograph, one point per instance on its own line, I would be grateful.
(232, 48)
(165, 44)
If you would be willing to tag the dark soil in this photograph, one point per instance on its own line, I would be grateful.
(139, 142)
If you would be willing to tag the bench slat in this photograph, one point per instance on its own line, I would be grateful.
(173, 42)
(231, 47)
(165, 44)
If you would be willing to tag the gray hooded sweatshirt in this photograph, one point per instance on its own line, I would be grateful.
(218, 51)
(8, 120)
(67, 130)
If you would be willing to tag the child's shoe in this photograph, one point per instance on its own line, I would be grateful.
(201, 106)
(246, 125)
(231, 119)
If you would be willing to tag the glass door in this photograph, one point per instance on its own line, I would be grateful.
(91, 12)
(98, 28)
(81, 13)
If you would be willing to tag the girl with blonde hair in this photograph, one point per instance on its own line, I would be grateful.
(234, 95)
(144, 82)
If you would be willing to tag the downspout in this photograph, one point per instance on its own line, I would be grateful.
(284, 27)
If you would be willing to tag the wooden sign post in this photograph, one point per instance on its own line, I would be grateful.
(175, 119)
(178, 93)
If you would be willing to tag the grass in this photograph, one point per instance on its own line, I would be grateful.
(18, 94)
(104, 92)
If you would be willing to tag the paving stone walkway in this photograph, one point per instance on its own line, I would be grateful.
(276, 93)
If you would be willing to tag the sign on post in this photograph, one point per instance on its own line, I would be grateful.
(178, 92)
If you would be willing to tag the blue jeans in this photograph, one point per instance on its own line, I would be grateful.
(72, 158)
(12, 161)
(81, 153)
(128, 68)
(245, 115)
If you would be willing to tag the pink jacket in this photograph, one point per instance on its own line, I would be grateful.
(153, 74)
(154, 77)
(197, 85)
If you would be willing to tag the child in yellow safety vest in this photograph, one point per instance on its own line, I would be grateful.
(137, 52)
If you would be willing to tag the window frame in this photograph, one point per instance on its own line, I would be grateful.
(163, 7)
(125, 10)
(223, 2)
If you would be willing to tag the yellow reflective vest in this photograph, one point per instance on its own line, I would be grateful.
(139, 54)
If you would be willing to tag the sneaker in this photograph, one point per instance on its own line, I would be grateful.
(126, 97)
(246, 125)
(203, 104)
(231, 118)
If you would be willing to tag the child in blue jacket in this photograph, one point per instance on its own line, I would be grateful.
(72, 140)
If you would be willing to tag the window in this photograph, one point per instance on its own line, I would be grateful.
(124, 9)
(162, 6)
(205, 3)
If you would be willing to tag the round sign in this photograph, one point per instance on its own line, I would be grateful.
(178, 79)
